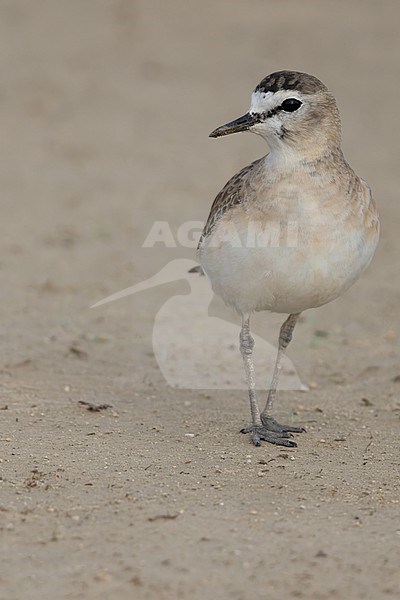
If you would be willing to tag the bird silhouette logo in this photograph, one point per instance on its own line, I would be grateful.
(197, 351)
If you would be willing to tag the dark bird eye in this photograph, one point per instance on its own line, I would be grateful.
(291, 104)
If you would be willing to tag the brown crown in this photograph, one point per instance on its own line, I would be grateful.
(291, 80)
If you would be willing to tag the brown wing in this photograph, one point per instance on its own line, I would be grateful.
(230, 195)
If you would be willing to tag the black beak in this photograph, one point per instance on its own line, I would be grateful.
(241, 124)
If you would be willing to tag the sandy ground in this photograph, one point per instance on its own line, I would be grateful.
(105, 111)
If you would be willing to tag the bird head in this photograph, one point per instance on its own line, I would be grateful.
(290, 109)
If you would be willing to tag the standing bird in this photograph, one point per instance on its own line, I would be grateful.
(292, 230)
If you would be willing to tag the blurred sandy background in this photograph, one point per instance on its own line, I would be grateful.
(105, 110)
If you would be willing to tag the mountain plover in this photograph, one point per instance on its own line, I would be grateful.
(291, 231)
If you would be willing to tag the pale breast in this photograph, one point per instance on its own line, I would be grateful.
(302, 248)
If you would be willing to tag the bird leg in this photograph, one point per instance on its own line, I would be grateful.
(246, 350)
(258, 429)
(285, 337)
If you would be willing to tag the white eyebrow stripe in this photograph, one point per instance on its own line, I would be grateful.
(262, 102)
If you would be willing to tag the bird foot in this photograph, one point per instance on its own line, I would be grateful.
(272, 425)
(273, 432)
